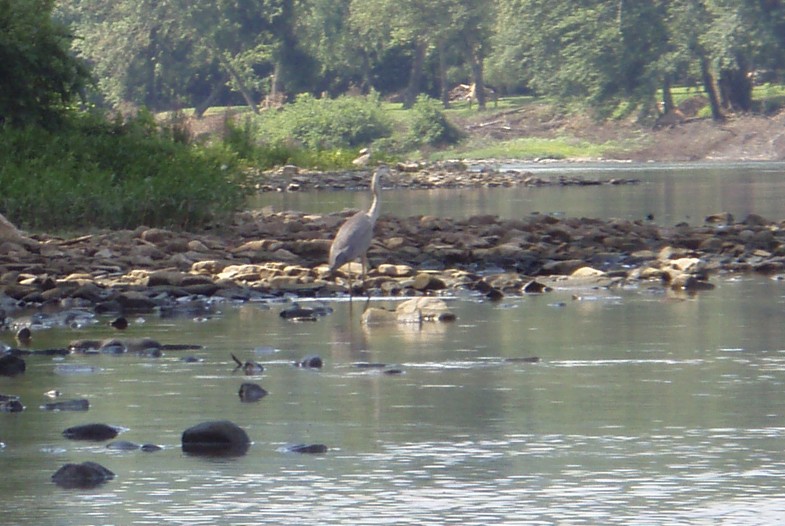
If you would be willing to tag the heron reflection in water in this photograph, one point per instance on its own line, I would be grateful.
(355, 235)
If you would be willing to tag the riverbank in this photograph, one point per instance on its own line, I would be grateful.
(267, 255)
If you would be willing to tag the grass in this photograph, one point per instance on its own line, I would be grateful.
(530, 148)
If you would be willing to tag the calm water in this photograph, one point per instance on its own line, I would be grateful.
(671, 192)
(646, 408)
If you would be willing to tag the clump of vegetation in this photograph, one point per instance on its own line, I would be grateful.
(429, 125)
(243, 138)
(91, 172)
(325, 124)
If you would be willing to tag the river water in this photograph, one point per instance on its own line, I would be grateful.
(672, 193)
(645, 408)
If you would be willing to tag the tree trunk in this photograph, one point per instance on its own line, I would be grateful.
(244, 91)
(477, 76)
(667, 96)
(444, 89)
(202, 107)
(711, 90)
(736, 89)
(415, 76)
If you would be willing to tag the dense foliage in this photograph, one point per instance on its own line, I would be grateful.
(95, 173)
(603, 53)
(38, 75)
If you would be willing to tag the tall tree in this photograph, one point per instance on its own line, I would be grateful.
(38, 74)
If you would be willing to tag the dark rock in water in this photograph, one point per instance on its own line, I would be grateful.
(495, 295)
(11, 365)
(371, 365)
(85, 475)
(91, 432)
(312, 449)
(526, 359)
(535, 287)
(150, 448)
(392, 372)
(191, 359)
(119, 323)
(311, 362)
(11, 405)
(113, 346)
(297, 313)
(220, 437)
(122, 445)
(80, 404)
(24, 335)
(251, 392)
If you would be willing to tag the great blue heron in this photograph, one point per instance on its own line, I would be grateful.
(355, 235)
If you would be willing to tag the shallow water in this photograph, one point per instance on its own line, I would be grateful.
(645, 408)
(672, 193)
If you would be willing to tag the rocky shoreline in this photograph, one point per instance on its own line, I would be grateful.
(266, 255)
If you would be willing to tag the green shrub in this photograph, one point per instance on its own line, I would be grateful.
(429, 125)
(94, 173)
(325, 124)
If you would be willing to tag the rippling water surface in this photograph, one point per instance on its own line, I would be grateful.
(672, 193)
(645, 408)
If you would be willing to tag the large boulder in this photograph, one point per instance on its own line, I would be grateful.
(95, 432)
(220, 437)
(84, 475)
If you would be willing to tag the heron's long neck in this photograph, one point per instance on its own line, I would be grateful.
(373, 212)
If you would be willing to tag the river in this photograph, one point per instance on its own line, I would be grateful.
(645, 407)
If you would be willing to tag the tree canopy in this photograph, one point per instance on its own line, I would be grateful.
(39, 76)
(607, 54)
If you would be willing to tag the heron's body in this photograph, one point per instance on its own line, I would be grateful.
(355, 235)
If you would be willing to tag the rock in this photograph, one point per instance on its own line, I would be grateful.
(11, 405)
(150, 448)
(11, 365)
(423, 309)
(122, 445)
(119, 323)
(297, 313)
(535, 287)
(312, 449)
(424, 282)
(96, 432)
(85, 475)
(81, 404)
(251, 392)
(24, 336)
(220, 437)
(311, 362)
(587, 273)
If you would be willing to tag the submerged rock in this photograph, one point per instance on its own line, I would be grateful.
(11, 365)
(312, 449)
(96, 432)
(85, 475)
(251, 392)
(80, 404)
(220, 437)
(312, 361)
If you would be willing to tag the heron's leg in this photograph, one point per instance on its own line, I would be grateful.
(365, 266)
